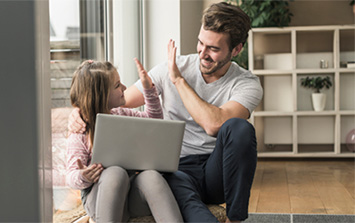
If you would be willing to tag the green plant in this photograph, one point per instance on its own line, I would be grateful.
(316, 83)
(265, 13)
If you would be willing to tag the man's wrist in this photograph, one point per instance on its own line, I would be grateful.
(179, 81)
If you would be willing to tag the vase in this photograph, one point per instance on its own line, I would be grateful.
(318, 100)
(350, 140)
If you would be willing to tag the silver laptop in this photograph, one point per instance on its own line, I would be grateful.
(137, 143)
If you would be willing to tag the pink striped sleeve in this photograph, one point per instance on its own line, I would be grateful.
(77, 149)
(152, 106)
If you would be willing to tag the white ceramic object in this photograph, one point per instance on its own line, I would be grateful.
(318, 100)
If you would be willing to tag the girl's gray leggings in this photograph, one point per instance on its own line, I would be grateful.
(117, 197)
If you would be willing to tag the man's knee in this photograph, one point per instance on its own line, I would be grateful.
(237, 127)
(240, 135)
(238, 124)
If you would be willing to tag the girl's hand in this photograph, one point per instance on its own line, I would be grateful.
(174, 72)
(143, 75)
(91, 173)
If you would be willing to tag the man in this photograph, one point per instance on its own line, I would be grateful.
(214, 96)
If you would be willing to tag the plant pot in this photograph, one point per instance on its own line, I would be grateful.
(318, 100)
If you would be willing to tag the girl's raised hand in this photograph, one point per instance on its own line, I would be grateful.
(91, 173)
(143, 75)
(174, 72)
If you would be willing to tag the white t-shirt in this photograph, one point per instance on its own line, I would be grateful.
(237, 85)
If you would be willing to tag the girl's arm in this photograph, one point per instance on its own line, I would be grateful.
(77, 150)
(151, 98)
(152, 106)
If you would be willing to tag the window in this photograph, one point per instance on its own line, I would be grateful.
(77, 33)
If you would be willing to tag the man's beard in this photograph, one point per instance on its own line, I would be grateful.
(216, 66)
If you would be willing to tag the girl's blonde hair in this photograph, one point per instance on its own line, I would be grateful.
(89, 91)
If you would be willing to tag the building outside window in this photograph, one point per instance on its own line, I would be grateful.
(76, 34)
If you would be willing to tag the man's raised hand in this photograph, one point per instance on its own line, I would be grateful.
(174, 72)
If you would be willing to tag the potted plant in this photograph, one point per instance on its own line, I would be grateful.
(317, 84)
(262, 14)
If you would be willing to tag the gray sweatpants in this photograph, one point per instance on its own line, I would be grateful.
(117, 197)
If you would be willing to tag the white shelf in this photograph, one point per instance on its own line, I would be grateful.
(303, 71)
(285, 123)
(347, 113)
(271, 113)
(302, 28)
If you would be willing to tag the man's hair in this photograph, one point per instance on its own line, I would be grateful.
(89, 91)
(226, 18)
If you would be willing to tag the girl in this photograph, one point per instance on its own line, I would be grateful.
(113, 194)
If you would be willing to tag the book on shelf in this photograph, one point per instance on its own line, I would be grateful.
(351, 64)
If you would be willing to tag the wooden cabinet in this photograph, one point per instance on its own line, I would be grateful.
(285, 122)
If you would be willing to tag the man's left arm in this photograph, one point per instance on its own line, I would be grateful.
(208, 116)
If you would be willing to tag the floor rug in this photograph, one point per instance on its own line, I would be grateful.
(268, 218)
(303, 218)
(299, 218)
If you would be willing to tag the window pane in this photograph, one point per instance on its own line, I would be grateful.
(76, 34)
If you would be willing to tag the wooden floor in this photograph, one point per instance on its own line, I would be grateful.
(304, 186)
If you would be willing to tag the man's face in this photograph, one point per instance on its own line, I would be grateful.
(214, 51)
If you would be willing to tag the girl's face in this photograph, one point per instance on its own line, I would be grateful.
(116, 96)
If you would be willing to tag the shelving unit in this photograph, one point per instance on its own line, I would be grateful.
(285, 122)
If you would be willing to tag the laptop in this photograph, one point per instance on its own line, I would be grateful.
(137, 143)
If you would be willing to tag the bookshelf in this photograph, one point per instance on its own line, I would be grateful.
(286, 124)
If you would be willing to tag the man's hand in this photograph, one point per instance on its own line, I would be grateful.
(143, 75)
(208, 116)
(91, 173)
(174, 72)
(75, 123)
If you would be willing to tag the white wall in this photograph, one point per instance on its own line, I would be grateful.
(190, 16)
(126, 38)
(161, 23)
(146, 35)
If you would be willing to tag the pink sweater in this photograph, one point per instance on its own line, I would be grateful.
(77, 144)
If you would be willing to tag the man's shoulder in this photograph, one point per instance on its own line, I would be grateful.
(240, 72)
